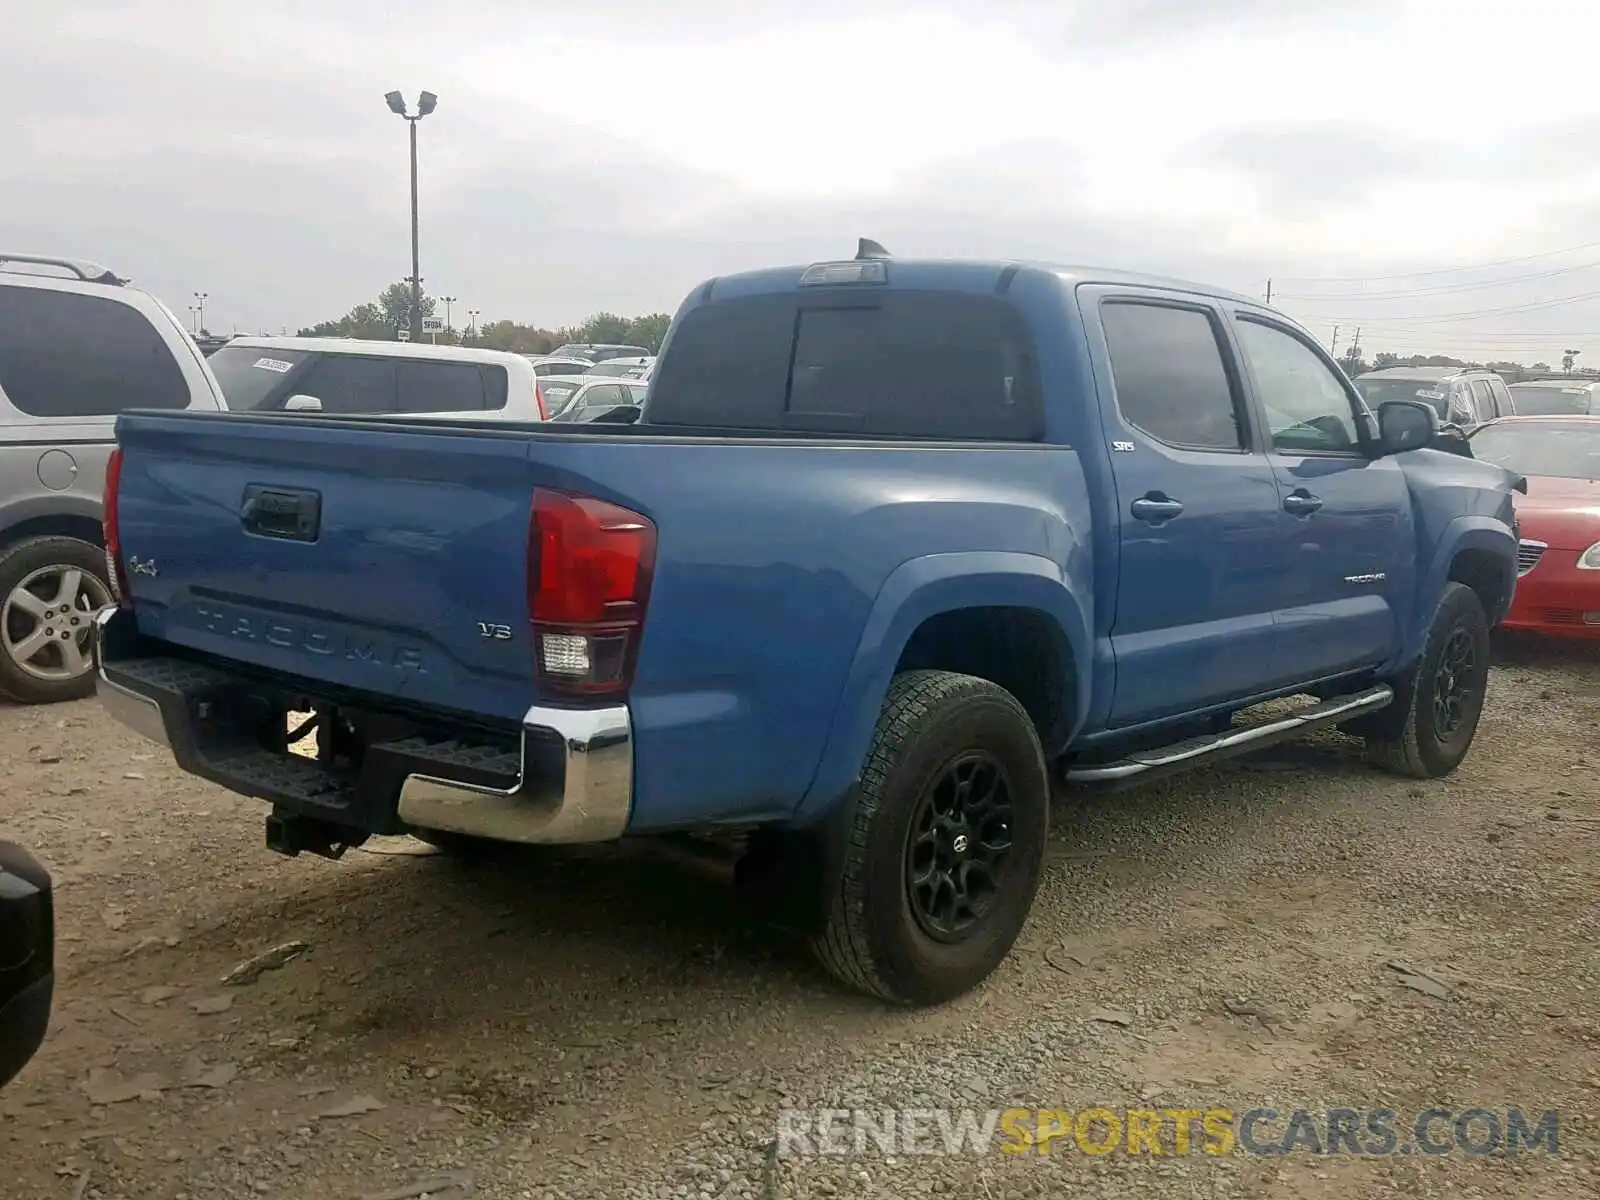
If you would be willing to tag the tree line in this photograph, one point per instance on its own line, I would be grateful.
(1511, 372)
(381, 318)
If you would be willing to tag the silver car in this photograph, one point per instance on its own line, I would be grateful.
(78, 345)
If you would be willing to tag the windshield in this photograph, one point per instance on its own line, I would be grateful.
(556, 395)
(1381, 391)
(1564, 449)
(1551, 400)
(249, 375)
(611, 368)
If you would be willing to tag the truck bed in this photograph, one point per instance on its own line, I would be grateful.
(771, 552)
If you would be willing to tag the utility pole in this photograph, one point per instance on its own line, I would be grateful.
(1355, 347)
(1269, 291)
(1333, 349)
(425, 105)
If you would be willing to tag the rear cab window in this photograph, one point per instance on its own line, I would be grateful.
(898, 363)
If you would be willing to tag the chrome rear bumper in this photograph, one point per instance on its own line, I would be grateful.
(590, 805)
(573, 771)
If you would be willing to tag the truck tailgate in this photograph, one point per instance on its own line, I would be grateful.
(356, 556)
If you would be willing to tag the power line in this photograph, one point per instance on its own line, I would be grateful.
(1501, 262)
(1476, 314)
(1443, 289)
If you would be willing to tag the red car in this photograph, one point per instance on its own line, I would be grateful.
(1558, 561)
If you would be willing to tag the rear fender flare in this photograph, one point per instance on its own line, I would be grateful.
(916, 590)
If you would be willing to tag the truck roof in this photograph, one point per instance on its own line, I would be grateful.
(961, 274)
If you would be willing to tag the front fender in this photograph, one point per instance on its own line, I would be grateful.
(916, 590)
(1472, 532)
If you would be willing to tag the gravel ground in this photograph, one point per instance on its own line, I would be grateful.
(606, 1024)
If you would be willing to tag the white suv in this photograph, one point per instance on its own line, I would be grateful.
(350, 376)
(78, 345)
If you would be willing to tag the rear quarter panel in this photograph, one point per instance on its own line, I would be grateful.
(765, 633)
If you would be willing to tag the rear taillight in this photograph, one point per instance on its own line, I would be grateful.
(589, 570)
(538, 399)
(115, 574)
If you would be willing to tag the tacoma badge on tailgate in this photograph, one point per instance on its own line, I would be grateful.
(299, 635)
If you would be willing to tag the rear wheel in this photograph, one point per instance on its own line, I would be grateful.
(947, 843)
(50, 589)
(1428, 729)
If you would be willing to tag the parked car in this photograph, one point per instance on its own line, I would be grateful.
(1555, 398)
(1462, 396)
(599, 395)
(78, 344)
(618, 368)
(598, 352)
(27, 958)
(1558, 557)
(545, 365)
(352, 376)
(558, 390)
(895, 545)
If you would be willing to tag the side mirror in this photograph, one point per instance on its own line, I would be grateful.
(1406, 425)
(302, 403)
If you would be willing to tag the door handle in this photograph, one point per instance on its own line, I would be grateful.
(1155, 508)
(1301, 503)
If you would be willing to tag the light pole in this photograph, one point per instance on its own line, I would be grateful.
(426, 103)
(200, 306)
(448, 301)
(472, 317)
(194, 320)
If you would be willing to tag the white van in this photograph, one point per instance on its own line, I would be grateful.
(350, 376)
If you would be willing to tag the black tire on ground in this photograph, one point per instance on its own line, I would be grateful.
(31, 562)
(1428, 729)
(942, 740)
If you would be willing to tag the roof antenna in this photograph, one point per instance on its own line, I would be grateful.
(869, 249)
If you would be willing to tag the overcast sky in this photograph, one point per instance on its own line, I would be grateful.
(610, 154)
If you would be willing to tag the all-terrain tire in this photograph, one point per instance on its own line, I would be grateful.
(1411, 737)
(25, 559)
(872, 941)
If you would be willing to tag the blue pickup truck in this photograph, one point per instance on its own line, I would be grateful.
(891, 547)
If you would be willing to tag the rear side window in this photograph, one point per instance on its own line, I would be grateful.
(1171, 383)
(67, 355)
(348, 384)
(441, 387)
(905, 364)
